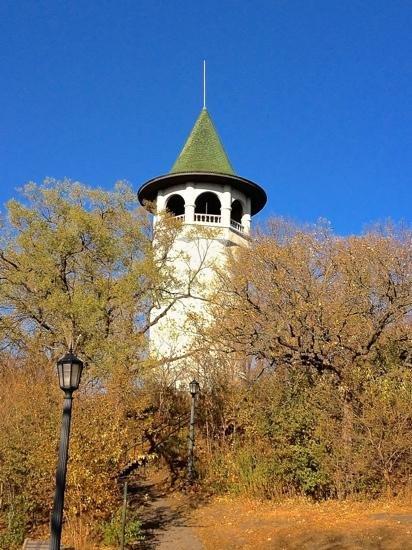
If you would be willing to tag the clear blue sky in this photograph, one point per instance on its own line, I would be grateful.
(312, 99)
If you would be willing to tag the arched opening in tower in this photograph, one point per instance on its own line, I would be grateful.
(207, 203)
(237, 211)
(176, 205)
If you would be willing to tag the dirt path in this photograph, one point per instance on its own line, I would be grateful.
(166, 518)
(179, 534)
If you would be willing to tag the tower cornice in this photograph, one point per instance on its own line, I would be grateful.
(149, 190)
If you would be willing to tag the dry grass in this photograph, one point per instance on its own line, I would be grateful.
(238, 523)
(78, 535)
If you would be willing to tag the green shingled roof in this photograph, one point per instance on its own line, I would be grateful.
(203, 150)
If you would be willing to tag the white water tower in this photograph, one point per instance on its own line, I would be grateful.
(202, 190)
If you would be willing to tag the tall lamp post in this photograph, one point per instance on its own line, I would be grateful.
(69, 369)
(194, 390)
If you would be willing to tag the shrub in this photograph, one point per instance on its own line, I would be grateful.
(111, 530)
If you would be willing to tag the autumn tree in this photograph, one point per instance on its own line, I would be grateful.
(317, 300)
(306, 299)
(77, 267)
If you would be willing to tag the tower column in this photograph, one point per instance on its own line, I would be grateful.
(226, 206)
(190, 203)
(247, 216)
(246, 223)
(160, 205)
(160, 202)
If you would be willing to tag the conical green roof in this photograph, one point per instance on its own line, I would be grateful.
(203, 150)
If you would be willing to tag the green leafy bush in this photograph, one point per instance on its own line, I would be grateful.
(16, 518)
(112, 530)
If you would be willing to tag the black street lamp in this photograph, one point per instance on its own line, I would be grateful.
(69, 369)
(194, 389)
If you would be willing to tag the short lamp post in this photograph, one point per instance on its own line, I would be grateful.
(194, 390)
(69, 369)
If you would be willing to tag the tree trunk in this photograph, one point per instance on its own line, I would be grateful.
(347, 440)
(388, 483)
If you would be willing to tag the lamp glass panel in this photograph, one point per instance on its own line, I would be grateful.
(76, 372)
(60, 373)
(67, 369)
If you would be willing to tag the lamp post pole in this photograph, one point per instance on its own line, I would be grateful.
(194, 388)
(69, 369)
(57, 516)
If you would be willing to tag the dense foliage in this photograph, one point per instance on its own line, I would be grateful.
(76, 268)
(307, 379)
(320, 330)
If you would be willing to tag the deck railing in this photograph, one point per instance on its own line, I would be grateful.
(238, 226)
(208, 218)
(213, 219)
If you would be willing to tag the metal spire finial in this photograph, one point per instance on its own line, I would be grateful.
(204, 84)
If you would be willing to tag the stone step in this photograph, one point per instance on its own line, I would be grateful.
(30, 544)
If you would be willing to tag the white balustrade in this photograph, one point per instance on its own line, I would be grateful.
(214, 219)
(207, 218)
(238, 226)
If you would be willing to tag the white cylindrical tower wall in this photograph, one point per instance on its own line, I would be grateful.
(196, 256)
